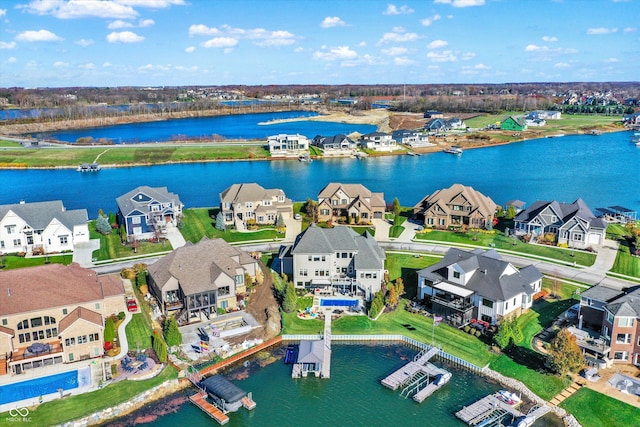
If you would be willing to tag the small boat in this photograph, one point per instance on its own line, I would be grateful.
(361, 156)
(511, 396)
(304, 158)
(559, 135)
(412, 153)
(89, 167)
(595, 132)
(453, 150)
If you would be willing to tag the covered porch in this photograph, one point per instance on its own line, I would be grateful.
(35, 356)
(451, 302)
(595, 347)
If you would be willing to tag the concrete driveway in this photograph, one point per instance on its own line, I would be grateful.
(175, 237)
(294, 227)
(83, 252)
(382, 230)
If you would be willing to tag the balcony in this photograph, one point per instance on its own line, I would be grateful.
(591, 342)
(36, 350)
(458, 304)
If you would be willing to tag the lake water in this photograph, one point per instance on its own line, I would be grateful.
(602, 170)
(353, 396)
(240, 126)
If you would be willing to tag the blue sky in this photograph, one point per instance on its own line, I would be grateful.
(259, 42)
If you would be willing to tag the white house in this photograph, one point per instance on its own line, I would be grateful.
(42, 227)
(283, 145)
(378, 141)
(477, 285)
(412, 138)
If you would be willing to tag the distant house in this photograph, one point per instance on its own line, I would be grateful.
(572, 224)
(631, 119)
(545, 115)
(335, 145)
(355, 201)
(334, 259)
(196, 280)
(477, 285)
(144, 211)
(533, 122)
(41, 226)
(615, 314)
(411, 138)
(433, 115)
(518, 205)
(456, 206)
(437, 125)
(513, 123)
(288, 145)
(54, 314)
(250, 202)
(378, 141)
(456, 123)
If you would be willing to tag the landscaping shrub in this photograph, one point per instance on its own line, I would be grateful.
(159, 346)
(172, 334)
(128, 273)
(121, 315)
(109, 330)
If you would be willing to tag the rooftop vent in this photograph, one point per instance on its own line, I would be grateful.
(8, 292)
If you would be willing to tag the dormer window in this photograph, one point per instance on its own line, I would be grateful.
(456, 274)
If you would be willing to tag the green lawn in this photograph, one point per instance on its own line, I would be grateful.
(395, 231)
(10, 144)
(569, 123)
(74, 407)
(593, 409)
(112, 248)
(139, 332)
(507, 243)
(13, 261)
(407, 266)
(200, 222)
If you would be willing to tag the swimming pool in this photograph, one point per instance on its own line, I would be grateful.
(39, 387)
(334, 302)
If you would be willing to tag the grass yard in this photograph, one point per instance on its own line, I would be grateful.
(507, 243)
(626, 263)
(112, 248)
(200, 222)
(407, 266)
(10, 144)
(12, 261)
(395, 231)
(593, 409)
(74, 407)
(139, 332)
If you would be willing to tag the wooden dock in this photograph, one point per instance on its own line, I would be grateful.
(408, 371)
(248, 402)
(200, 401)
(486, 408)
(326, 360)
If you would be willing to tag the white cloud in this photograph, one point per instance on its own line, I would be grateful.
(461, 3)
(547, 49)
(81, 9)
(436, 44)
(395, 51)
(430, 20)
(117, 24)
(260, 36)
(443, 56)
(152, 4)
(601, 30)
(87, 66)
(124, 37)
(332, 21)
(611, 60)
(107, 64)
(340, 52)
(467, 56)
(362, 44)
(7, 45)
(3, 12)
(629, 30)
(549, 39)
(562, 65)
(84, 42)
(403, 61)
(11, 59)
(398, 37)
(190, 49)
(60, 64)
(144, 23)
(298, 49)
(37, 36)
(225, 42)
(482, 67)
(202, 30)
(392, 9)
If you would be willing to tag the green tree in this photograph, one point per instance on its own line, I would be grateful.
(395, 206)
(511, 212)
(499, 212)
(220, 225)
(377, 304)
(172, 334)
(290, 301)
(280, 225)
(399, 287)
(123, 234)
(311, 208)
(159, 346)
(102, 225)
(109, 330)
(509, 332)
(565, 354)
(112, 218)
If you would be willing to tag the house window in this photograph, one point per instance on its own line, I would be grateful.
(249, 205)
(430, 221)
(456, 274)
(1, 243)
(23, 325)
(343, 201)
(4, 322)
(64, 240)
(623, 339)
(577, 237)
(281, 199)
(334, 202)
(441, 221)
(135, 220)
(260, 218)
(506, 306)
(70, 357)
(10, 229)
(239, 279)
(69, 342)
(304, 272)
(16, 242)
(621, 355)
(271, 217)
(487, 303)
(609, 317)
(64, 311)
(36, 321)
(625, 321)
(82, 339)
(365, 215)
(266, 202)
(324, 212)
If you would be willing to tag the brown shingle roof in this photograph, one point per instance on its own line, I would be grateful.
(77, 314)
(7, 331)
(54, 285)
(479, 202)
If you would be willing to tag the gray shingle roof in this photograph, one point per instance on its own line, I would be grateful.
(248, 192)
(39, 214)
(311, 351)
(126, 204)
(602, 293)
(627, 305)
(564, 211)
(478, 201)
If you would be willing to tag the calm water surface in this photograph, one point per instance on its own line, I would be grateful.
(602, 170)
(353, 396)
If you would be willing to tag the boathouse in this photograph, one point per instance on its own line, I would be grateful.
(310, 358)
(226, 395)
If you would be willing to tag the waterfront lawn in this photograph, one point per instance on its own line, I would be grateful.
(9, 144)
(593, 409)
(200, 222)
(139, 332)
(395, 231)
(12, 261)
(626, 263)
(507, 243)
(407, 266)
(516, 364)
(74, 407)
(112, 248)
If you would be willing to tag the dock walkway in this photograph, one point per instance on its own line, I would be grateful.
(199, 399)
(326, 361)
(486, 408)
(408, 371)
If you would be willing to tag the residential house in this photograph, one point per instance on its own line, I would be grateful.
(334, 259)
(411, 138)
(456, 206)
(518, 206)
(477, 285)
(513, 123)
(533, 122)
(436, 125)
(54, 314)
(284, 145)
(572, 224)
(433, 115)
(611, 318)
(246, 203)
(456, 123)
(631, 119)
(545, 115)
(194, 281)
(41, 227)
(378, 141)
(352, 201)
(335, 145)
(145, 211)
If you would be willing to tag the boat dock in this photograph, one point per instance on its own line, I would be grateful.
(419, 378)
(487, 411)
(313, 355)
(199, 399)
(326, 365)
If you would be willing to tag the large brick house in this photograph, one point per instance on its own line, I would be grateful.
(250, 202)
(353, 201)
